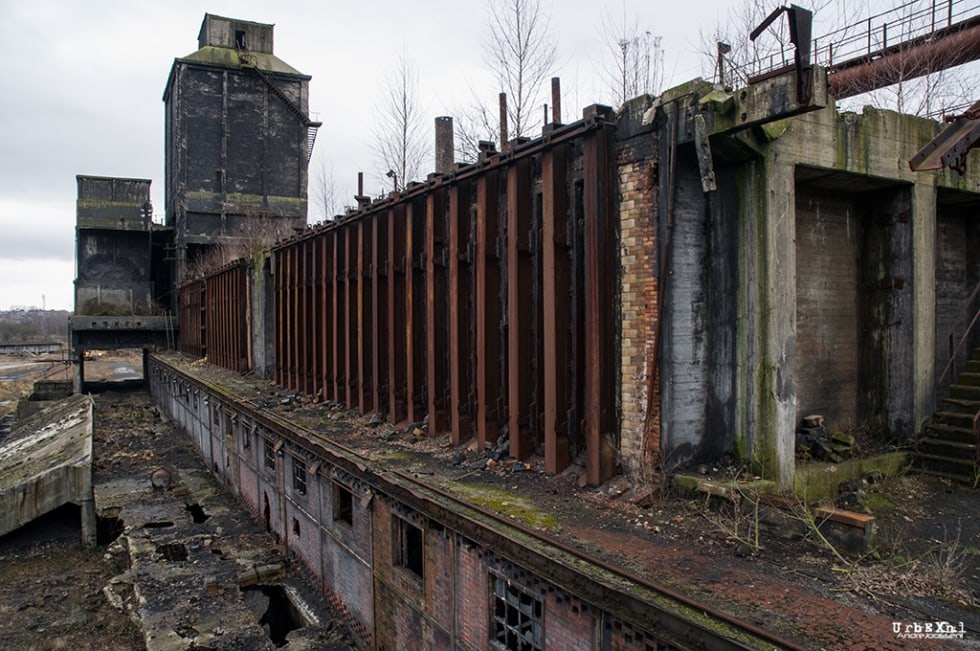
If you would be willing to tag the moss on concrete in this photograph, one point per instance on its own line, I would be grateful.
(816, 482)
(506, 503)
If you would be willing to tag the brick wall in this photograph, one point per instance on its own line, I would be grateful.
(637, 170)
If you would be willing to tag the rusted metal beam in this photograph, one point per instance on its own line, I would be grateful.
(520, 315)
(599, 292)
(337, 314)
(326, 334)
(350, 323)
(487, 309)
(397, 375)
(415, 308)
(460, 369)
(436, 313)
(365, 351)
(941, 50)
(410, 324)
(379, 308)
(555, 282)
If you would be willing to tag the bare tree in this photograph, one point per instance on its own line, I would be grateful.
(522, 54)
(633, 61)
(401, 136)
(323, 197)
(474, 123)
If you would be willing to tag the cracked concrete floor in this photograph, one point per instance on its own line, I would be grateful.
(188, 570)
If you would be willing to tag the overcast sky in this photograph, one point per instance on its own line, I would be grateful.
(81, 88)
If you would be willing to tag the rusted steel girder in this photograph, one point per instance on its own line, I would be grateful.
(520, 314)
(487, 311)
(397, 271)
(943, 49)
(380, 337)
(555, 281)
(226, 333)
(600, 275)
(191, 319)
(460, 297)
(436, 310)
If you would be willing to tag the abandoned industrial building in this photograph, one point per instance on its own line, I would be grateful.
(710, 273)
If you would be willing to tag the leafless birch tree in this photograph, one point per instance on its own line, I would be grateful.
(633, 59)
(400, 139)
(522, 53)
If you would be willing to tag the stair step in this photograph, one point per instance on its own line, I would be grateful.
(964, 391)
(961, 405)
(969, 379)
(946, 447)
(972, 366)
(965, 479)
(962, 419)
(946, 432)
(961, 467)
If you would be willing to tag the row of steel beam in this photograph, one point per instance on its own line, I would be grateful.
(483, 299)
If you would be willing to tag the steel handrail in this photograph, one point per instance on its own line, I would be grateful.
(951, 364)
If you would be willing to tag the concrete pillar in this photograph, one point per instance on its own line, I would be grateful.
(923, 221)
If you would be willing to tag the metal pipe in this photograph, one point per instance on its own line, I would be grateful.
(556, 100)
(905, 61)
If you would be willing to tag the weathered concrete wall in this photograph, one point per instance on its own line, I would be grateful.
(872, 150)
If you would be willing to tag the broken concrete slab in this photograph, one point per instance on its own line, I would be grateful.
(46, 462)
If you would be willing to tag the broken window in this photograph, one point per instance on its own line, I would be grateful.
(517, 617)
(270, 456)
(343, 504)
(408, 546)
(240, 39)
(299, 476)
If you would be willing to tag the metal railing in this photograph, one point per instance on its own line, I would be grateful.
(869, 37)
(954, 349)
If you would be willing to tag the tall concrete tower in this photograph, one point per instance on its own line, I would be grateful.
(238, 141)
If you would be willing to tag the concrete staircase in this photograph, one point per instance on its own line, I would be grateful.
(950, 446)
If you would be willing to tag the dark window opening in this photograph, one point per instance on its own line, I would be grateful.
(517, 617)
(240, 39)
(343, 504)
(296, 527)
(408, 548)
(270, 456)
(299, 476)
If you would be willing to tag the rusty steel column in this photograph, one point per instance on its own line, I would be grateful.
(397, 273)
(520, 314)
(278, 307)
(350, 324)
(313, 281)
(364, 324)
(412, 414)
(418, 402)
(436, 312)
(326, 334)
(555, 282)
(291, 317)
(336, 315)
(487, 309)
(294, 319)
(322, 311)
(302, 325)
(460, 370)
(600, 272)
(379, 308)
